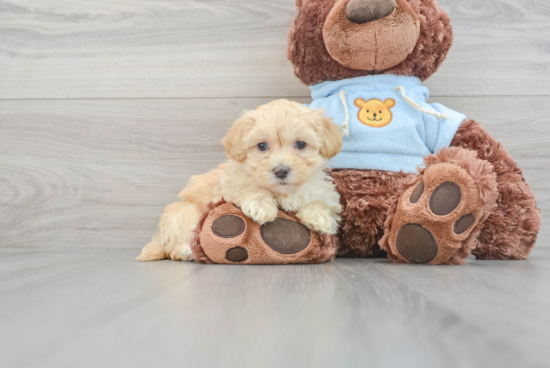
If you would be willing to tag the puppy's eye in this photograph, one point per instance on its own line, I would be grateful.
(380, 112)
(263, 146)
(368, 111)
(301, 145)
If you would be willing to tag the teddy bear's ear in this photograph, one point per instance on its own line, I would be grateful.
(233, 142)
(298, 3)
(390, 102)
(359, 102)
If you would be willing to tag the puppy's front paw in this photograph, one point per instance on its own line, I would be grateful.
(318, 220)
(187, 254)
(261, 211)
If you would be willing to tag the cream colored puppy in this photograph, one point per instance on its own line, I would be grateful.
(277, 155)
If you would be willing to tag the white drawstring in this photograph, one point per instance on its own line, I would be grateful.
(438, 115)
(345, 124)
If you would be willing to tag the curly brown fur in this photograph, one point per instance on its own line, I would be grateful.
(511, 230)
(313, 64)
(366, 197)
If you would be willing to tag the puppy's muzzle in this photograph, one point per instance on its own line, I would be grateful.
(281, 171)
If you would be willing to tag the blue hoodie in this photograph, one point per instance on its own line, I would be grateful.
(386, 121)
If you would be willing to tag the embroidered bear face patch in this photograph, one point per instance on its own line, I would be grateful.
(375, 113)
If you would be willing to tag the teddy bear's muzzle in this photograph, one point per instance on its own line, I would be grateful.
(371, 35)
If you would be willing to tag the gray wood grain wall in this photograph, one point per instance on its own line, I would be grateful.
(107, 108)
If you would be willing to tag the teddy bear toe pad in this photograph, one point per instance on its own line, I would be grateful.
(236, 254)
(445, 198)
(464, 223)
(435, 216)
(228, 226)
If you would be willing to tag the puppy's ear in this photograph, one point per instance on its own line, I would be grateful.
(233, 142)
(390, 103)
(331, 137)
(359, 102)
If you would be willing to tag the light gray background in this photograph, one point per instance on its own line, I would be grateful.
(108, 107)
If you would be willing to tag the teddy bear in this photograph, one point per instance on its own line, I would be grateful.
(419, 182)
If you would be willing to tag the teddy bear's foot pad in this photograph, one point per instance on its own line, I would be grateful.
(416, 244)
(435, 216)
(226, 235)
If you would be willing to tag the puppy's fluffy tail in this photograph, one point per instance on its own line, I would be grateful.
(152, 252)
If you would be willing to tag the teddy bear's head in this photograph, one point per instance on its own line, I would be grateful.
(339, 39)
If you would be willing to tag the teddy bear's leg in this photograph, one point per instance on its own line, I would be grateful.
(438, 218)
(511, 230)
(366, 196)
(224, 234)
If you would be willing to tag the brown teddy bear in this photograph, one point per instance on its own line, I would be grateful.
(419, 182)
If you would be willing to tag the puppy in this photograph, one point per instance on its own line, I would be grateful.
(276, 156)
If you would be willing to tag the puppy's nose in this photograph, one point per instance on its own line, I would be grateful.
(364, 11)
(374, 115)
(281, 171)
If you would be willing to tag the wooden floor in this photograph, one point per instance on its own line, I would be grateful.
(108, 107)
(99, 308)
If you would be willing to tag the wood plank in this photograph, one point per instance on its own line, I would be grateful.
(98, 173)
(91, 308)
(223, 48)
